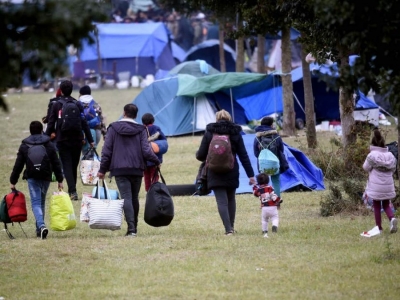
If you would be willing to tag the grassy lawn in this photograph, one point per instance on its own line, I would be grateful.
(311, 257)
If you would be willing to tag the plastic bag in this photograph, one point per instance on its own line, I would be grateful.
(62, 215)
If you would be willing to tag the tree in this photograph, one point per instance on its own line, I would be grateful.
(35, 35)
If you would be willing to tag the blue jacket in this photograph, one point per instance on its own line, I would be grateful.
(126, 149)
(153, 129)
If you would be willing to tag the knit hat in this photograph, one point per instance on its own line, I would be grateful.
(85, 90)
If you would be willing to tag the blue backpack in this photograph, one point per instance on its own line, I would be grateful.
(91, 116)
(268, 162)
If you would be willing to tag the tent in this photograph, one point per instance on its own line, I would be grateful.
(209, 51)
(185, 104)
(302, 173)
(140, 49)
(326, 101)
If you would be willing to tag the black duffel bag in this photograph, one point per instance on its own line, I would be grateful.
(159, 207)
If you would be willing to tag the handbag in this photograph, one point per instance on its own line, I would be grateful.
(105, 213)
(201, 181)
(159, 207)
(62, 215)
(89, 167)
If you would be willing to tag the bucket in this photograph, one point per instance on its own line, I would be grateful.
(325, 125)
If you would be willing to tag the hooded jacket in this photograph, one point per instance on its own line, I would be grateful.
(126, 149)
(231, 178)
(46, 169)
(85, 100)
(264, 130)
(380, 164)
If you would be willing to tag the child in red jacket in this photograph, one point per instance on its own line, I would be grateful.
(269, 203)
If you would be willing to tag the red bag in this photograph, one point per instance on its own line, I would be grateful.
(16, 206)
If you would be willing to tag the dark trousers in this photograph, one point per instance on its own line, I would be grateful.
(226, 203)
(70, 156)
(377, 211)
(129, 188)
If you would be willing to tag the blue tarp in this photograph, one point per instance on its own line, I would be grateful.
(302, 173)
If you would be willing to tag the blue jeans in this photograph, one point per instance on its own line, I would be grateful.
(129, 188)
(226, 203)
(276, 183)
(37, 191)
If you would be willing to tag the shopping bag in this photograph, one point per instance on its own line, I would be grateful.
(62, 215)
(104, 213)
(84, 214)
(89, 167)
(103, 192)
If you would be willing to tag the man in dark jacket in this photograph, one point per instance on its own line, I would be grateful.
(125, 152)
(267, 135)
(224, 185)
(38, 177)
(69, 144)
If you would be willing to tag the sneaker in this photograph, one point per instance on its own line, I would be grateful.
(131, 234)
(229, 233)
(38, 234)
(274, 229)
(43, 233)
(73, 196)
(393, 225)
(266, 235)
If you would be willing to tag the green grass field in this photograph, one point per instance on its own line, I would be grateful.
(311, 257)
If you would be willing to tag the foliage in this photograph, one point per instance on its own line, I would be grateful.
(35, 36)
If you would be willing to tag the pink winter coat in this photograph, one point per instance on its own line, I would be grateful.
(381, 164)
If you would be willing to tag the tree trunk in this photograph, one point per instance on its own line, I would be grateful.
(239, 47)
(308, 102)
(260, 53)
(346, 104)
(221, 34)
(287, 85)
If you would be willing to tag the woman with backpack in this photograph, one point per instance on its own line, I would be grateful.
(222, 143)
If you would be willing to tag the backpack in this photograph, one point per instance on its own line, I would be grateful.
(13, 209)
(38, 159)
(269, 142)
(91, 116)
(71, 121)
(220, 158)
(159, 207)
(268, 161)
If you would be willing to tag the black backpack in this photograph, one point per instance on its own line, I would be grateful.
(38, 160)
(159, 207)
(71, 117)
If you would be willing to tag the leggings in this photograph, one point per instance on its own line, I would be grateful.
(377, 211)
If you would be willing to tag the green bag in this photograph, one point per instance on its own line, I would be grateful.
(4, 217)
(62, 215)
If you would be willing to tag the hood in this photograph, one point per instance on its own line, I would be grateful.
(86, 98)
(380, 158)
(224, 127)
(264, 130)
(36, 139)
(127, 127)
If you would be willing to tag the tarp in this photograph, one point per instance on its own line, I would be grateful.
(302, 173)
(141, 48)
(185, 104)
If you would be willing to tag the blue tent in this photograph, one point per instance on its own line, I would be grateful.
(184, 104)
(302, 173)
(139, 48)
(209, 51)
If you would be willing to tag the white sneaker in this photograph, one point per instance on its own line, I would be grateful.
(266, 235)
(393, 225)
(373, 232)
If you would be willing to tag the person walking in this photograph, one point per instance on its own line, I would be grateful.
(267, 137)
(269, 202)
(39, 157)
(380, 165)
(67, 122)
(225, 184)
(124, 154)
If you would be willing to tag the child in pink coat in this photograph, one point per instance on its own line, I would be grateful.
(381, 164)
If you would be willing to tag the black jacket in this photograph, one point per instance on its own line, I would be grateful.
(45, 172)
(230, 179)
(53, 125)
